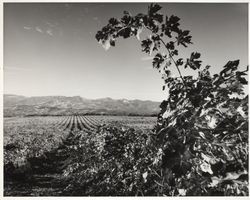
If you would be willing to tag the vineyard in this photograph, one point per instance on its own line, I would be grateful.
(198, 145)
(43, 154)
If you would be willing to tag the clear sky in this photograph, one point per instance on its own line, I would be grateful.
(50, 49)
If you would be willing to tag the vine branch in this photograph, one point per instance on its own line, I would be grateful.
(170, 57)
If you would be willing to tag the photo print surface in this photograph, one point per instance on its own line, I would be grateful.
(125, 99)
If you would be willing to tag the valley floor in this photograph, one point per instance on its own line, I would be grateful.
(39, 152)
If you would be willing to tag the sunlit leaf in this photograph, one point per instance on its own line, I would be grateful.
(139, 30)
(206, 167)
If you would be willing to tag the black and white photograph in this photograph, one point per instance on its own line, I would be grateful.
(127, 99)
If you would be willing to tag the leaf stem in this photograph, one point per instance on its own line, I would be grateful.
(170, 57)
(174, 62)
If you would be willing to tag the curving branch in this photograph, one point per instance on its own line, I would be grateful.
(179, 71)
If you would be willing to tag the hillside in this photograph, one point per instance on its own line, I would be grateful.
(15, 105)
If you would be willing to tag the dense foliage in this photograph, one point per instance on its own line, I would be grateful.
(73, 155)
(112, 162)
(199, 145)
(201, 138)
(29, 137)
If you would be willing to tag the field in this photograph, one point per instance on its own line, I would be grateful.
(43, 155)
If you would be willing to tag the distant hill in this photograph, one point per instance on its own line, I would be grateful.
(15, 105)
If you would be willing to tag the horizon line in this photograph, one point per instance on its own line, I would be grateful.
(83, 97)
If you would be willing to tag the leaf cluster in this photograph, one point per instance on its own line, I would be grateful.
(166, 33)
(202, 129)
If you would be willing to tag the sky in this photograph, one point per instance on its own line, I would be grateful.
(50, 48)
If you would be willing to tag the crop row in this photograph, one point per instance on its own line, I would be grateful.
(33, 136)
(78, 122)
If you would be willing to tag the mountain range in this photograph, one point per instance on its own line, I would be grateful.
(16, 105)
